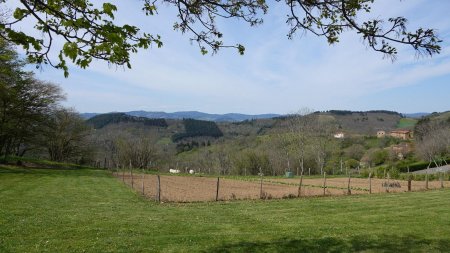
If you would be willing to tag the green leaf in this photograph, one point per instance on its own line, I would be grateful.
(109, 8)
(20, 13)
(241, 49)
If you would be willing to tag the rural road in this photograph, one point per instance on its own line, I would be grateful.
(445, 168)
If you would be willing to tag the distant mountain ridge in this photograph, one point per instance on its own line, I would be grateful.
(228, 117)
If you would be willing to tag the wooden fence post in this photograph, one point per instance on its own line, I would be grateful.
(370, 183)
(388, 183)
(158, 190)
(324, 183)
(441, 178)
(132, 181)
(123, 175)
(426, 179)
(300, 185)
(261, 185)
(349, 191)
(217, 189)
(409, 182)
(261, 189)
(143, 178)
(309, 171)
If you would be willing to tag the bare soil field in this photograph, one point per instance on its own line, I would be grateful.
(361, 185)
(196, 188)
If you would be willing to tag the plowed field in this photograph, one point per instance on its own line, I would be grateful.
(195, 188)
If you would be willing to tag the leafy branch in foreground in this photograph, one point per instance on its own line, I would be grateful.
(90, 31)
(329, 18)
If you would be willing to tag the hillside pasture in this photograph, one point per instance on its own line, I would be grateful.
(407, 123)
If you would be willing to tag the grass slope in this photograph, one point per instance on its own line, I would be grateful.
(407, 123)
(44, 210)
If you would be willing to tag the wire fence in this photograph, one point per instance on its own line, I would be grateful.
(176, 188)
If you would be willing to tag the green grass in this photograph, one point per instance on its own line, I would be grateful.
(35, 162)
(407, 123)
(45, 210)
(164, 141)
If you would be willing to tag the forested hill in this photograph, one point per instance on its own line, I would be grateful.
(228, 117)
(102, 120)
(431, 122)
(368, 122)
(198, 128)
(344, 112)
(359, 122)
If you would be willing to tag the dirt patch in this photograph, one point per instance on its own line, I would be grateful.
(361, 185)
(195, 188)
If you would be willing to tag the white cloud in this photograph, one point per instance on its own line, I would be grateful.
(275, 74)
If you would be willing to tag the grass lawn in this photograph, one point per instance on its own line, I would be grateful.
(45, 210)
(407, 123)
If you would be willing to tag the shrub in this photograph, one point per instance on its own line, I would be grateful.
(365, 173)
(421, 177)
(380, 172)
(379, 157)
(394, 173)
(352, 163)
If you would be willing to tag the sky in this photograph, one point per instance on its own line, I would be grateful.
(275, 75)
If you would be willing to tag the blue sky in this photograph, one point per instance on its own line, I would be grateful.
(276, 75)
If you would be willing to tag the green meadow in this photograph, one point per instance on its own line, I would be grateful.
(407, 123)
(86, 210)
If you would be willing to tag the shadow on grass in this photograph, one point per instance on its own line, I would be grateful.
(385, 243)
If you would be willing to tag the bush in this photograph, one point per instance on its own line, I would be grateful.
(379, 172)
(379, 157)
(250, 162)
(421, 177)
(394, 173)
(352, 163)
(365, 173)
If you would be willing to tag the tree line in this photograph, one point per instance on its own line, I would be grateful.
(32, 118)
(102, 120)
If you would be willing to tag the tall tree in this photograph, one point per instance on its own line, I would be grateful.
(323, 130)
(433, 140)
(89, 31)
(65, 136)
(136, 152)
(24, 103)
(301, 126)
